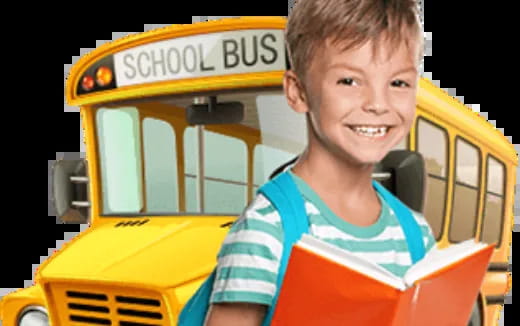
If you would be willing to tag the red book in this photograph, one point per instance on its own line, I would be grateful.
(325, 285)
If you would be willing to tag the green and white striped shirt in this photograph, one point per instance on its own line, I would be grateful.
(250, 256)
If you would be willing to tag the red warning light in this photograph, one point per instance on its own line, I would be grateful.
(87, 83)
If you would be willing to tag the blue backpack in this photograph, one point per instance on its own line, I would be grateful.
(283, 193)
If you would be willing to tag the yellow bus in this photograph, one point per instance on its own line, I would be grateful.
(182, 125)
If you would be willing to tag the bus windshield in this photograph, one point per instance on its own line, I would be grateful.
(154, 163)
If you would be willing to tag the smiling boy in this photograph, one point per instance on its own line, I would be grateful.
(355, 70)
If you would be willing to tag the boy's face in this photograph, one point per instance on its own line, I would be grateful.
(348, 94)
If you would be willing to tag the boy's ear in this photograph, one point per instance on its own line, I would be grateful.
(294, 92)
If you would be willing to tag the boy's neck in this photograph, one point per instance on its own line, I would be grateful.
(336, 180)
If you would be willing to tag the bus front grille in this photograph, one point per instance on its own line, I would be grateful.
(107, 305)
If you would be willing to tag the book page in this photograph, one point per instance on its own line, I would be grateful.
(350, 260)
(437, 259)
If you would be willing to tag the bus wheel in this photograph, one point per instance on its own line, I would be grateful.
(475, 319)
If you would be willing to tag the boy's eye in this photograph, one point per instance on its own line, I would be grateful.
(400, 83)
(346, 81)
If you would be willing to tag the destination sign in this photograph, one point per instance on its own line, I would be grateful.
(214, 54)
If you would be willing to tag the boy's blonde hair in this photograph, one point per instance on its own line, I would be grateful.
(351, 23)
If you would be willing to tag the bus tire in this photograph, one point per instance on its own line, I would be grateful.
(476, 316)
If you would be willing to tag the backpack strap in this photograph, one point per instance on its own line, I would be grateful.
(195, 310)
(283, 193)
(411, 229)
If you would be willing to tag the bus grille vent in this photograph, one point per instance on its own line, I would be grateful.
(115, 307)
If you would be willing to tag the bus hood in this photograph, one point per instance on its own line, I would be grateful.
(163, 253)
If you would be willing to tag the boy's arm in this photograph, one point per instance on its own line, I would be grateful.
(247, 270)
(235, 314)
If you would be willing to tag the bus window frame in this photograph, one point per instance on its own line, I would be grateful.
(503, 196)
(455, 182)
(447, 165)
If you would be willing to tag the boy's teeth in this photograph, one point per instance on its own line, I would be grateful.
(371, 131)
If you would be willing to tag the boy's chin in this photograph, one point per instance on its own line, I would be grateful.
(368, 160)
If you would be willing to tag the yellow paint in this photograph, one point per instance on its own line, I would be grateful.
(12, 304)
(495, 284)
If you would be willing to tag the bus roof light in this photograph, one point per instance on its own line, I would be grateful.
(103, 76)
(87, 83)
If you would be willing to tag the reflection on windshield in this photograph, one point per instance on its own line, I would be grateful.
(154, 163)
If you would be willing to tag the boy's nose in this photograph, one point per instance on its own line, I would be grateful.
(376, 108)
(375, 101)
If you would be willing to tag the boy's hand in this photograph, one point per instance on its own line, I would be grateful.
(236, 314)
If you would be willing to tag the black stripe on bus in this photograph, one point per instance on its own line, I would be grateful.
(146, 302)
(499, 267)
(495, 299)
(87, 307)
(133, 323)
(91, 320)
(83, 295)
(226, 224)
(139, 313)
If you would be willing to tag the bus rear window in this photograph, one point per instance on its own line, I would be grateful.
(493, 218)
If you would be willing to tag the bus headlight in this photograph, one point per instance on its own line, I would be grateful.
(33, 316)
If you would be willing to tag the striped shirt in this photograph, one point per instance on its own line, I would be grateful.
(249, 258)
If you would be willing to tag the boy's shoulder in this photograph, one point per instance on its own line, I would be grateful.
(259, 209)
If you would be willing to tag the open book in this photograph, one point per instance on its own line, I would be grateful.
(325, 285)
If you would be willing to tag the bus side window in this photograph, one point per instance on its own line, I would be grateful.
(160, 161)
(266, 160)
(493, 219)
(432, 143)
(225, 173)
(464, 213)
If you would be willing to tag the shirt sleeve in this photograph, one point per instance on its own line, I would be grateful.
(426, 230)
(250, 255)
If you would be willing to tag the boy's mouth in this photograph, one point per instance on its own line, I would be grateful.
(375, 131)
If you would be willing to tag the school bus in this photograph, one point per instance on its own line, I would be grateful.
(182, 125)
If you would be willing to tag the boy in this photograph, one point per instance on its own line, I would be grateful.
(354, 74)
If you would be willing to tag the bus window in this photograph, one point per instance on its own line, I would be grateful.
(191, 159)
(432, 143)
(283, 136)
(266, 160)
(465, 197)
(225, 172)
(225, 180)
(280, 126)
(160, 162)
(121, 173)
(494, 202)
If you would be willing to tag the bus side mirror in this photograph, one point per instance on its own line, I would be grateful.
(70, 190)
(403, 173)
